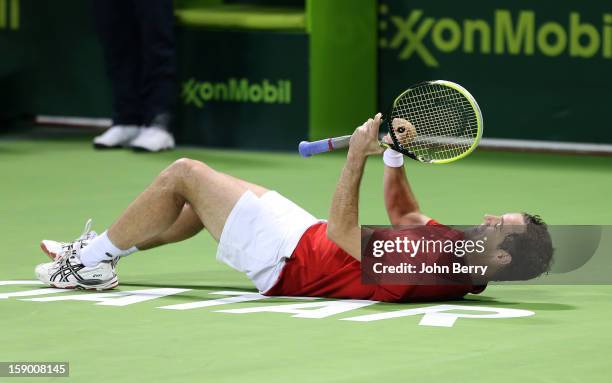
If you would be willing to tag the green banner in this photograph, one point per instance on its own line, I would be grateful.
(244, 89)
(51, 62)
(540, 70)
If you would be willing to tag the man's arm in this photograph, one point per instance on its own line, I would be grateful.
(402, 206)
(343, 223)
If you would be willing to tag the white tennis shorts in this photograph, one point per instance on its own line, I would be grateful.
(260, 233)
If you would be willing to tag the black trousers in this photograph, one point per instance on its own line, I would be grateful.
(139, 49)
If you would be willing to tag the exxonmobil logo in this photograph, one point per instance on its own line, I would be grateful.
(198, 93)
(427, 37)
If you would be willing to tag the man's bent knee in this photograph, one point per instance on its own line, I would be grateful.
(184, 172)
(184, 167)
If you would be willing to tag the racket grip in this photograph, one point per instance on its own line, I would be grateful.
(307, 148)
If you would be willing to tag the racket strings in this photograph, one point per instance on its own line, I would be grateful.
(445, 122)
(435, 123)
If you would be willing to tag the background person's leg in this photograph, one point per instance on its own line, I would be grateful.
(158, 88)
(158, 80)
(119, 35)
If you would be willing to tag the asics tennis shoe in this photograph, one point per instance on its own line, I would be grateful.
(67, 271)
(54, 248)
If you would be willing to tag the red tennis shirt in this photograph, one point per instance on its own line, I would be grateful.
(319, 268)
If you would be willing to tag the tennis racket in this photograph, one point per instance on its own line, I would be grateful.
(434, 122)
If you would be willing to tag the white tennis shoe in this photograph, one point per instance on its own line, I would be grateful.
(54, 248)
(116, 137)
(67, 272)
(153, 139)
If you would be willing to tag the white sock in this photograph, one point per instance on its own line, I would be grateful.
(129, 251)
(100, 249)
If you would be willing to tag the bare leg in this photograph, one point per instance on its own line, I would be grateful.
(188, 223)
(159, 215)
(186, 226)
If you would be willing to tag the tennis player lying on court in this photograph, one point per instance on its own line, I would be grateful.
(282, 248)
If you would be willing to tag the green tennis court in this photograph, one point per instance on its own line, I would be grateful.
(49, 188)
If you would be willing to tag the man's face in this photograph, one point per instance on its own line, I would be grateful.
(495, 229)
(508, 219)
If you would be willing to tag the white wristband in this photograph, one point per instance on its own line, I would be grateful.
(393, 159)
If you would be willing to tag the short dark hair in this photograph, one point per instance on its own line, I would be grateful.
(531, 251)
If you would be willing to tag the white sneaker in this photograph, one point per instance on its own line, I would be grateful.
(116, 137)
(153, 139)
(66, 270)
(53, 249)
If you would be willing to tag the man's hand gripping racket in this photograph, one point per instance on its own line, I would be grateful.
(433, 122)
(364, 141)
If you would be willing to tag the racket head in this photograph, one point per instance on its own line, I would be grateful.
(435, 122)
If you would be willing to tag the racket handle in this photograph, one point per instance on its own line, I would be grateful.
(308, 148)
